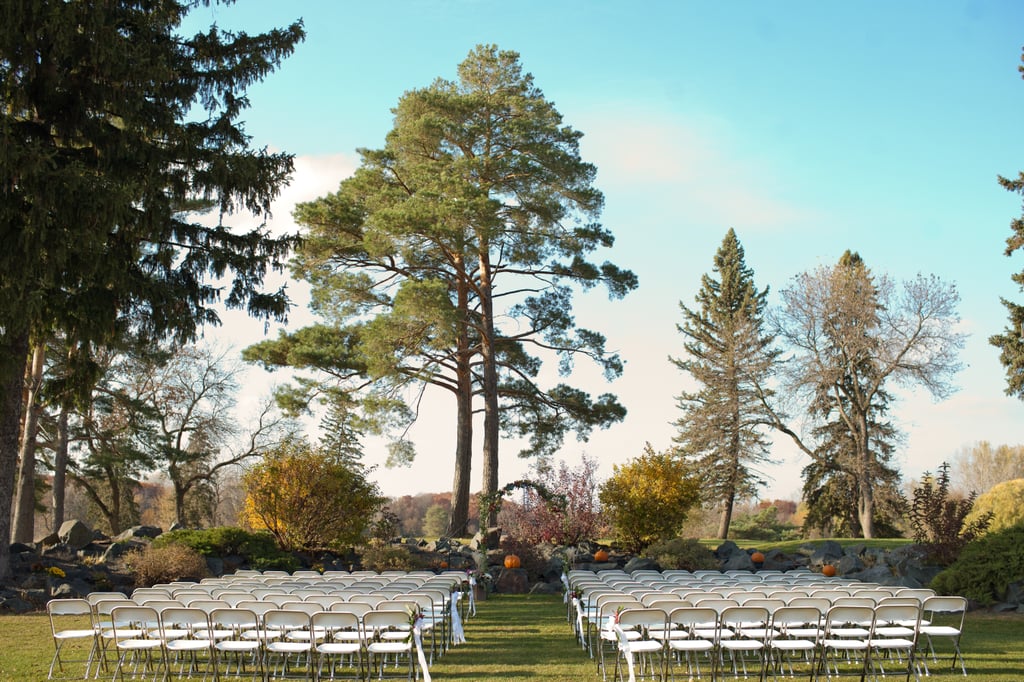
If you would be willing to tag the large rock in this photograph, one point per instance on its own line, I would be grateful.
(119, 549)
(486, 540)
(512, 581)
(137, 532)
(849, 563)
(827, 552)
(75, 534)
(639, 563)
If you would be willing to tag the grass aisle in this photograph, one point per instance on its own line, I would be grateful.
(517, 638)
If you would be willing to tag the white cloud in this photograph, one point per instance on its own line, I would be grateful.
(689, 164)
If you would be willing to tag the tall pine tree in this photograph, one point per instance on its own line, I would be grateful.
(112, 121)
(730, 356)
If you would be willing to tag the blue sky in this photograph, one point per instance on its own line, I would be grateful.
(808, 127)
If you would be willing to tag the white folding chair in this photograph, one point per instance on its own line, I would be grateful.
(943, 618)
(379, 647)
(290, 653)
(794, 636)
(632, 628)
(187, 648)
(70, 621)
(893, 640)
(743, 633)
(235, 654)
(137, 647)
(844, 642)
(340, 653)
(690, 636)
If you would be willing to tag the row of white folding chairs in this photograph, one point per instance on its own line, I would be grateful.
(761, 639)
(436, 605)
(152, 638)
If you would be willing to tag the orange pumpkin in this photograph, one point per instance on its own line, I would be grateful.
(601, 555)
(512, 561)
(828, 570)
(757, 558)
(444, 564)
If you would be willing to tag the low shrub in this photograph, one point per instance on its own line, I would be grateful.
(940, 521)
(166, 564)
(763, 526)
(381, 557)
(986, 567)
(682, 554)
(258, 549)
(530, 559)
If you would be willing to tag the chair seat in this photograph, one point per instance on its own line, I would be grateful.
(691, 644)
(338, 648)
(845, 644)
(389, 647)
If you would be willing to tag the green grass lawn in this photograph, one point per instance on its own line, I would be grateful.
(527, 638)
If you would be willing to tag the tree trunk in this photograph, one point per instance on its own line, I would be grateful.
(60, 468)
(25, 488)
(490, 389)
(458, 522)
(13, 346)
(866, 504)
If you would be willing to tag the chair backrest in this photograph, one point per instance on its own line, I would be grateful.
(855, 601)
(744, 617)
(377, 620)
(126, 620)
(68, 607)
(183, 617)
(355, 608)
(286, 619)
(691, 617)
(647, 619)
(232, 598)
(324, 600)
(95, 597)
(788, 617)
(818, 603)
(234, 619)
(944, 604)
(908, 615)
(765, 602)
(841, 616)
(306, 607)
(371, 599)
(257, 606)
(209, 605)
(334, 620)
(719, 604)
(104, 607)
(667, 604)
(920, 593)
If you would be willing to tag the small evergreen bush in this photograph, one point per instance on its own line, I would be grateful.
(682, 554)
(258, 549)
(986, 567)
(166, 564)
(763, 526)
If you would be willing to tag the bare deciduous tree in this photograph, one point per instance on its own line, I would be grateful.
(853, 334)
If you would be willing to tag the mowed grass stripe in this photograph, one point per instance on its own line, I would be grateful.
(517, 638)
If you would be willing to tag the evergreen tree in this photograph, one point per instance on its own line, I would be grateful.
(479, 184)
(731, 356)
(831, 487)
(1011, 342)
(111, 122)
